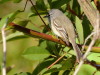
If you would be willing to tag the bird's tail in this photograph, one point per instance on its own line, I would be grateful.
(77, 51)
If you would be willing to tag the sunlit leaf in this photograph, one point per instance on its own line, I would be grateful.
(86, 70)
(94, 56)
(13, 15)
(79, 29)
(15, 36)
(36, 53)
(10, 17)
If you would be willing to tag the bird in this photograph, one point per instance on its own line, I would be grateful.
(62, 26)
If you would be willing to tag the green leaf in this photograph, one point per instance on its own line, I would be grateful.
(94, 56)
(23, 73)
(41, 5)
(76, 7)
(68, 64)
(36, 25)
(23, 23)
(79, 29)
(36, 53)
(58, 3)
(41, 12)
(42, 66)
(51, 46)
(87, 70)
(17, 1)
(54, 68)
(3, 21)
(43, 43)
(10, 17)
(13, 15)
(86, 27)
(15, 36)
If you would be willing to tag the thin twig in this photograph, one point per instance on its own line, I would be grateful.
(37, 12)
(56, 61)
(95, 37)
(88, 38)
(4, 49)
(25, 5)
(85, 55)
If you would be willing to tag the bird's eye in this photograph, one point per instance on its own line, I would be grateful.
(47, 16)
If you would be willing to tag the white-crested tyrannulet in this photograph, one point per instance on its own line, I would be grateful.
(63, 27)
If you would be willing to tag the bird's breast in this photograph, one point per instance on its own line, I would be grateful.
(55, 31)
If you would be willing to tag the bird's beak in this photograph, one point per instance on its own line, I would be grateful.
(46, 16)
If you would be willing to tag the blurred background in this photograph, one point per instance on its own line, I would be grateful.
(17, 42)
(15, 48)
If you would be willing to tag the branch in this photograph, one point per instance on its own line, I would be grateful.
(89, 11)
(4, 48)
(33, 33)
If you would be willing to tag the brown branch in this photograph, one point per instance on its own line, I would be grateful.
(33, 33)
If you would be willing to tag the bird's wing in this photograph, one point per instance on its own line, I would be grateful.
(59, 27)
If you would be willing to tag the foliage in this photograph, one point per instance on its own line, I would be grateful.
(46, 52)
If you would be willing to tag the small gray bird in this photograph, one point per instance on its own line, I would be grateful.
(63, 27)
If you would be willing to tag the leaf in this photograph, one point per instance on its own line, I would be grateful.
(36, 53)
(41, 12)
(58, 3)
(23, 73)
(86, 27)
(51, 46)
(79, 29)
(17, 1)
(94, 56)
(87, 70)
(42, 66)
(23, 23)
(43, 43)
(13, 15)
(76, 7)
(3, 21)
(15, 36)
(54, 68)
(41, 5)
(68, 64)
(10, 17)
